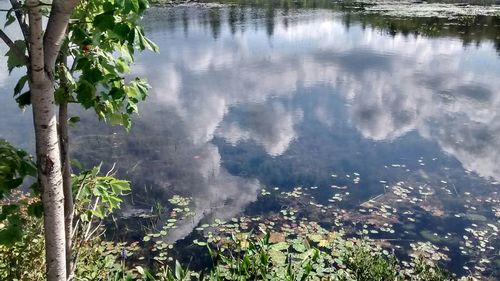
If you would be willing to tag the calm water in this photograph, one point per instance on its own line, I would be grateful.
(246, 98)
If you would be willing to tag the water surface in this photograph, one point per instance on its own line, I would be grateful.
(246, 99)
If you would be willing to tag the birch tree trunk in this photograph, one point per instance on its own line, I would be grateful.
(49, 177)
(52, 150)
(67, 190)
(55, 34)
(42, 56)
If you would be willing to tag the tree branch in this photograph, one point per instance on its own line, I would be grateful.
(65, 161)
(55, 33)
(20, 18)
(13, 47)
(36, 41)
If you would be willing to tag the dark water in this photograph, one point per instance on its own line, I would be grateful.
(246, 98)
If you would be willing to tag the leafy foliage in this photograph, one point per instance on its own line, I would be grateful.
(305, 252)
(13, 60)
(16, 167)
(21, 258)
(98, 195)
(103, 36)
(20, 237)
(102, 40)
(313, 254)
(249, 257)
(102, 260)
(96, 198)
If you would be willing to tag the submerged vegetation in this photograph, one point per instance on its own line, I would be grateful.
(281, 246)
(306, 252)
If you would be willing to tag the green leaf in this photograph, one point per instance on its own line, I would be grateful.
(122, 31)
(83, 64)
(126, 54)
(84, 217)
(20, 85)
(151, 45)
(14, 183)
(92, 75)
(135, 5)
(24, 99)
(105, 21)
(73, 120)
(9, 235)
(142, 86)
(98, 212)
(299, 247)
(69, 81)
(34, 188)
(117, 93)
(8, 210)
(116, 119)
(109, 7)
(75, 162)
(9, 18)
(60, 95)
(35, 209)
(113, 29)
(78, 35)
(85, 94)
(144, 4)
(178, 270)
(132, 107)
(13, 60)
(120, 186)
(139, 39)
(281, 246)
(122, 66)
(114, 202)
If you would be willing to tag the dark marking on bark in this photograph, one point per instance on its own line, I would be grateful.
(46, 164)
(40, 187)
(44, 126)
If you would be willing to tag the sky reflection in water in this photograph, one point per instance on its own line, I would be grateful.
(289, 102)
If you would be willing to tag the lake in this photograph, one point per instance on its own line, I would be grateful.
(381, 125)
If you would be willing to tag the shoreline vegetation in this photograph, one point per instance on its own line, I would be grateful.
(394, 8)
(470, 21)
(241, 249)
(284, 246)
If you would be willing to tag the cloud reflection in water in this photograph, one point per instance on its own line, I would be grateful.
(391, 85)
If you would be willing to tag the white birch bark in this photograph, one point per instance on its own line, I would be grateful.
(47, 143)
(67, 190)
(55, 34)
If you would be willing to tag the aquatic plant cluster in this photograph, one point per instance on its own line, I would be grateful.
(305, 238)
(286, 246)
(404, 221)
(408, 217)
(307, 253)
(242, 249)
